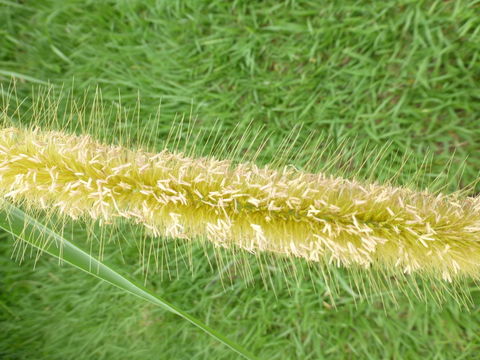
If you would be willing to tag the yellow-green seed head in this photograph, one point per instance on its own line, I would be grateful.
(286, 211)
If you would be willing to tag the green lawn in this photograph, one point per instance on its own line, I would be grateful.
(361, 72)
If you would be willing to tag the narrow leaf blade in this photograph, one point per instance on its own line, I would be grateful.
(22, 226)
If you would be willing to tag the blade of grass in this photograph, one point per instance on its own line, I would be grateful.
(23, 77)
(22, 226)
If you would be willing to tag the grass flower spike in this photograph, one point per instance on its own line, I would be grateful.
(284, 211)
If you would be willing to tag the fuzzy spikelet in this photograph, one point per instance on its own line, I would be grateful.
(283, 211)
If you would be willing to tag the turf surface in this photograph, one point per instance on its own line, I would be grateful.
(405, 72)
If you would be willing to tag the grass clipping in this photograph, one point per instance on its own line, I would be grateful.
(284, 211)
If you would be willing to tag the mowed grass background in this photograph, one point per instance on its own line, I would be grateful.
(405, 72)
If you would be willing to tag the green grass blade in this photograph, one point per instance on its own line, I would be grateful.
(26, 228)
(22, 77)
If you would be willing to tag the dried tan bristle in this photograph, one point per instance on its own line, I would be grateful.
(285, 211)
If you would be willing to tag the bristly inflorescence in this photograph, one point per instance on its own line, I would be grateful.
(286, 211)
